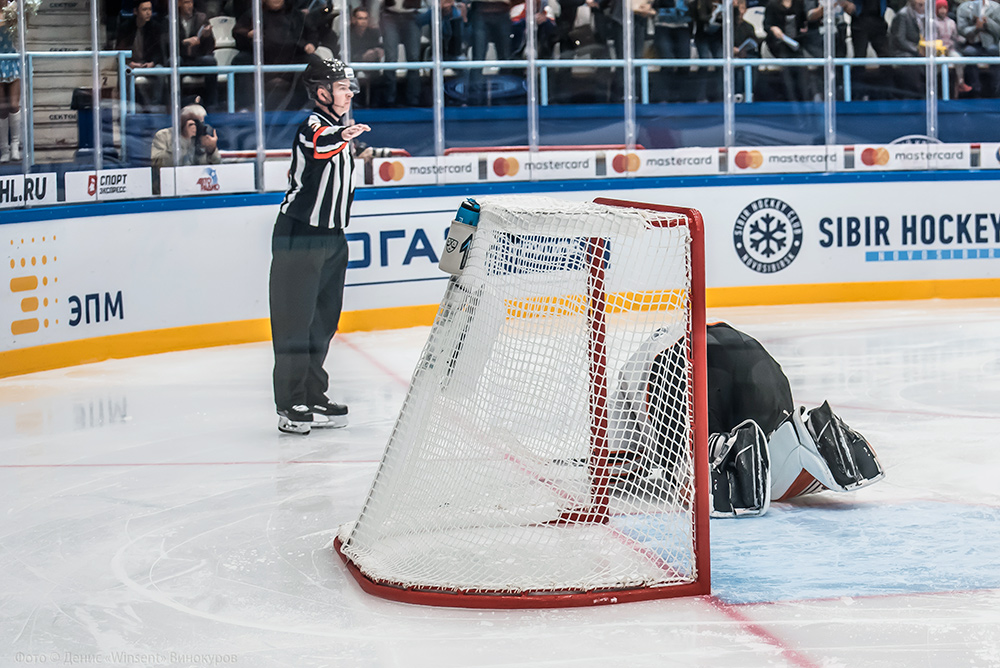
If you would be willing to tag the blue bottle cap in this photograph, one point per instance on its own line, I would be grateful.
(468, 213)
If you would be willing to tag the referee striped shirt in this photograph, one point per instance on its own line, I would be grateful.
(321, 178)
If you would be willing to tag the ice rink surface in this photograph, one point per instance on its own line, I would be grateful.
(154, 516)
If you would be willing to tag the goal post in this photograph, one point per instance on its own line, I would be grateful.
(551, 450)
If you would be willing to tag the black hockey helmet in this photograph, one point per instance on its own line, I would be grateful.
(321, 72)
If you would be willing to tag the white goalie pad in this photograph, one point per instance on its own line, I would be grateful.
(815, 450)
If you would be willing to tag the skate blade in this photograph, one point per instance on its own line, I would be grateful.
(288, 427)
(329, 422)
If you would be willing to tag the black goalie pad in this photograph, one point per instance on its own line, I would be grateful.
(741, 476)
(851, 460)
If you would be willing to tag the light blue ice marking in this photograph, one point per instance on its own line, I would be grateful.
(795, 553)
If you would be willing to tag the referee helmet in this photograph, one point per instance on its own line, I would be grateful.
(325, 72)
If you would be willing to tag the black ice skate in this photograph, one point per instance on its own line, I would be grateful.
(295, 420)
(328, 414)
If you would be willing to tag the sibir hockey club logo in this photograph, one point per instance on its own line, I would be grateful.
(767, 235)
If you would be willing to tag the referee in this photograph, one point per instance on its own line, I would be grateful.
(309, 251)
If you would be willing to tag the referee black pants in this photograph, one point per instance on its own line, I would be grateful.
(306, 289)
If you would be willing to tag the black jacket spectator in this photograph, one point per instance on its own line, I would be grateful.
(195, 34)
(144, 35)
(286, 36)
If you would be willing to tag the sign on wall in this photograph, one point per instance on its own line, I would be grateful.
(19, 190)
(208, 179)
(109, 184)
(89, 277)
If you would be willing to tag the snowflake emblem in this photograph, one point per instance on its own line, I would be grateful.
(767, 235)
(769, 238)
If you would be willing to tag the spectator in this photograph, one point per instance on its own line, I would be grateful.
(452, 29)
(366, 42)
(672, 39)
(672, 29)
(198, 141)
(285, 39)
(812, 40)
(320, 16)
(979, 23)
(708, 43)
(10, 99)
(545, 35)
(399, 27)
(197, 44)
(642, 12)
(745, 42)
(785, 23)
(946, 30)
(907, 31)
(144, 36)
(575, 26)
(868, 27)
(905, 36)
(490, 23)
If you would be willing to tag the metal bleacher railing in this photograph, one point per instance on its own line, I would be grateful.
(747, 67)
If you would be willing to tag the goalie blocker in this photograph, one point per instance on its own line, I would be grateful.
(761, 448)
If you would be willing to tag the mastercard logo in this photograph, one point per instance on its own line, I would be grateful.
(626, 162)
(874, 156)
(749, 159)
(505, 166)
(391, 171)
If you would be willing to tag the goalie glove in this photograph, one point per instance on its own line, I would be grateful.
(741, 472)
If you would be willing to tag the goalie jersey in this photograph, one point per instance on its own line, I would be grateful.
(744, 382)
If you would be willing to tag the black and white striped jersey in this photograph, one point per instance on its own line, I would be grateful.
(321, 177)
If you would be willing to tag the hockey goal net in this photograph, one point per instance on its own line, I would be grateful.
(551, 448)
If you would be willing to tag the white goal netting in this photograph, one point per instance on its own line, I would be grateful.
(546, 444)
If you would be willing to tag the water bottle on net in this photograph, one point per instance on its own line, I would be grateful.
(456, 247)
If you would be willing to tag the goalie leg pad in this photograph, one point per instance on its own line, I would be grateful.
(814, 451)
(741, 472)
(849, 456)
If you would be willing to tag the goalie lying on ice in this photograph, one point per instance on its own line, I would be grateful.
(760, 447)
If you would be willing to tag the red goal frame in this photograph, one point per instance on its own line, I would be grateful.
(600, 452)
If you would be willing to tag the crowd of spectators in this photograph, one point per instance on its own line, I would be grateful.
(391, 31)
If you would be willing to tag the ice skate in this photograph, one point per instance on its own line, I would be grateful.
(295, 420)
(329, 415)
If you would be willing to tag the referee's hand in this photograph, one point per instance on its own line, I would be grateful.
(353, 131)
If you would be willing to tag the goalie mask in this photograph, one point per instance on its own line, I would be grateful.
(323, 73)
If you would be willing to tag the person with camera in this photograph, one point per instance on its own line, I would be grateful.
(198, 141)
